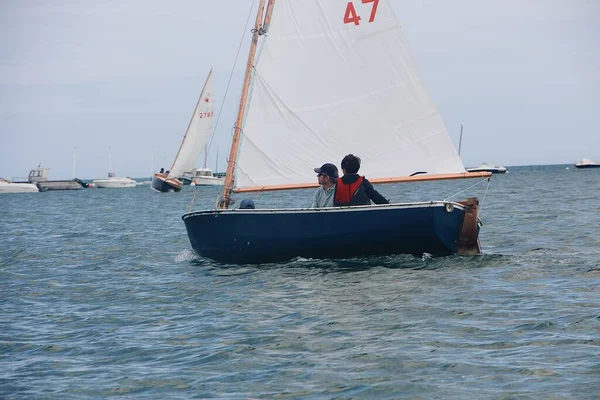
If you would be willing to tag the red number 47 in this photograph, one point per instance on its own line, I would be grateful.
(351, 16)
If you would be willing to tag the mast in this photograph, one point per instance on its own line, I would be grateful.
(74, 154)
(109, 161)
(235, 142)
(460, 140)
(191, 119)
(217, 160)
(205, 155)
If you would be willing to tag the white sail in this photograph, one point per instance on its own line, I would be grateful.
(334, 77)
(198, 132)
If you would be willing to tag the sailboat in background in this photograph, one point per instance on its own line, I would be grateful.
(334, 77)
(196, 136)
(113, 181)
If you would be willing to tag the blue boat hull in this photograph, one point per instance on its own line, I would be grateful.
(162, 184)
(258, 236)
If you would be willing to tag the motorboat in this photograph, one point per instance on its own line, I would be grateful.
(496, 169)
(7, 186)
(114, 182)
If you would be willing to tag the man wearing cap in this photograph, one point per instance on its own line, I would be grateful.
(327, 175)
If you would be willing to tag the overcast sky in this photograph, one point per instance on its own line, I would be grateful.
(522, 75)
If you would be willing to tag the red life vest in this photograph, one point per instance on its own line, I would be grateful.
(345, 192)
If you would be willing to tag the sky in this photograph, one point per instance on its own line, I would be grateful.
(80, 77)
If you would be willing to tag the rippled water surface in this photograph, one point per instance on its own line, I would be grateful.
(102, 297)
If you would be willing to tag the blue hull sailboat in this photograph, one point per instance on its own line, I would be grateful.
(334, 77)
(196, 136)
(258, 236)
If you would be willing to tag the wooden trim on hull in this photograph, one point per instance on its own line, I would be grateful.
(401, 179)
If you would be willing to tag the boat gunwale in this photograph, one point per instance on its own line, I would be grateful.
(378, 207)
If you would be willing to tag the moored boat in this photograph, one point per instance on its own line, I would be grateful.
(7, 186)
(587, 163)
(205, 177)
(114, 182)
(494, 169)
(39, 177)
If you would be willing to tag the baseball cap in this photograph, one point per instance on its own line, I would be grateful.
(328, 169)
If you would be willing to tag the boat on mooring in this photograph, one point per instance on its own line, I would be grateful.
(334, 77)
(494, 169)
(587, 163)
(39, 177)
(7, 186)
(113, 181)
(196, 137)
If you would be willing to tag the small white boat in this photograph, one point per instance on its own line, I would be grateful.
(114, 182)
(587, 163)
(205, 177)
(12, 187)
(497, 169)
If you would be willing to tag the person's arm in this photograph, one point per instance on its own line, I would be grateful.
(373, 194)
(315, 198)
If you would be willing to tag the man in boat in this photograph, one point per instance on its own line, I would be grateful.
(353, 189)
(327, 175)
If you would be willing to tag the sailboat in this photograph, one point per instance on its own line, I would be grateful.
(334, 77)
(196, 136)
(113, 181)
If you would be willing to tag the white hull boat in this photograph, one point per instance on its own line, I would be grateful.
(12, 187)
(114, 183)
(496, 169)
(587, 163)
(205, 177)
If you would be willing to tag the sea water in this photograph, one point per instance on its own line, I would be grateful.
(101, 296)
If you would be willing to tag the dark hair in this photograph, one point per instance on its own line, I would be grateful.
(351, 164)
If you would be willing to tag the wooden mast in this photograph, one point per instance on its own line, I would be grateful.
(228, 185)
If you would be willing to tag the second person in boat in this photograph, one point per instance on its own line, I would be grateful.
(353, 189)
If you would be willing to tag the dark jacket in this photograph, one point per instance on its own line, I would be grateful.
(363, 194)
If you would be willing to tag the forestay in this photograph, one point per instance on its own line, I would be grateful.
(334, 77)
(198, 132)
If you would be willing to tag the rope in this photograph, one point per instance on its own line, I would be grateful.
(484, 194)
(231, 75)
(225, 96)
(470, 187)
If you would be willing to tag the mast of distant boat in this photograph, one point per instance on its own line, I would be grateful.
(460, 140)
(74, 155)
(237, 130)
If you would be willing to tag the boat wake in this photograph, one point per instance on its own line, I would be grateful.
(186, 255)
